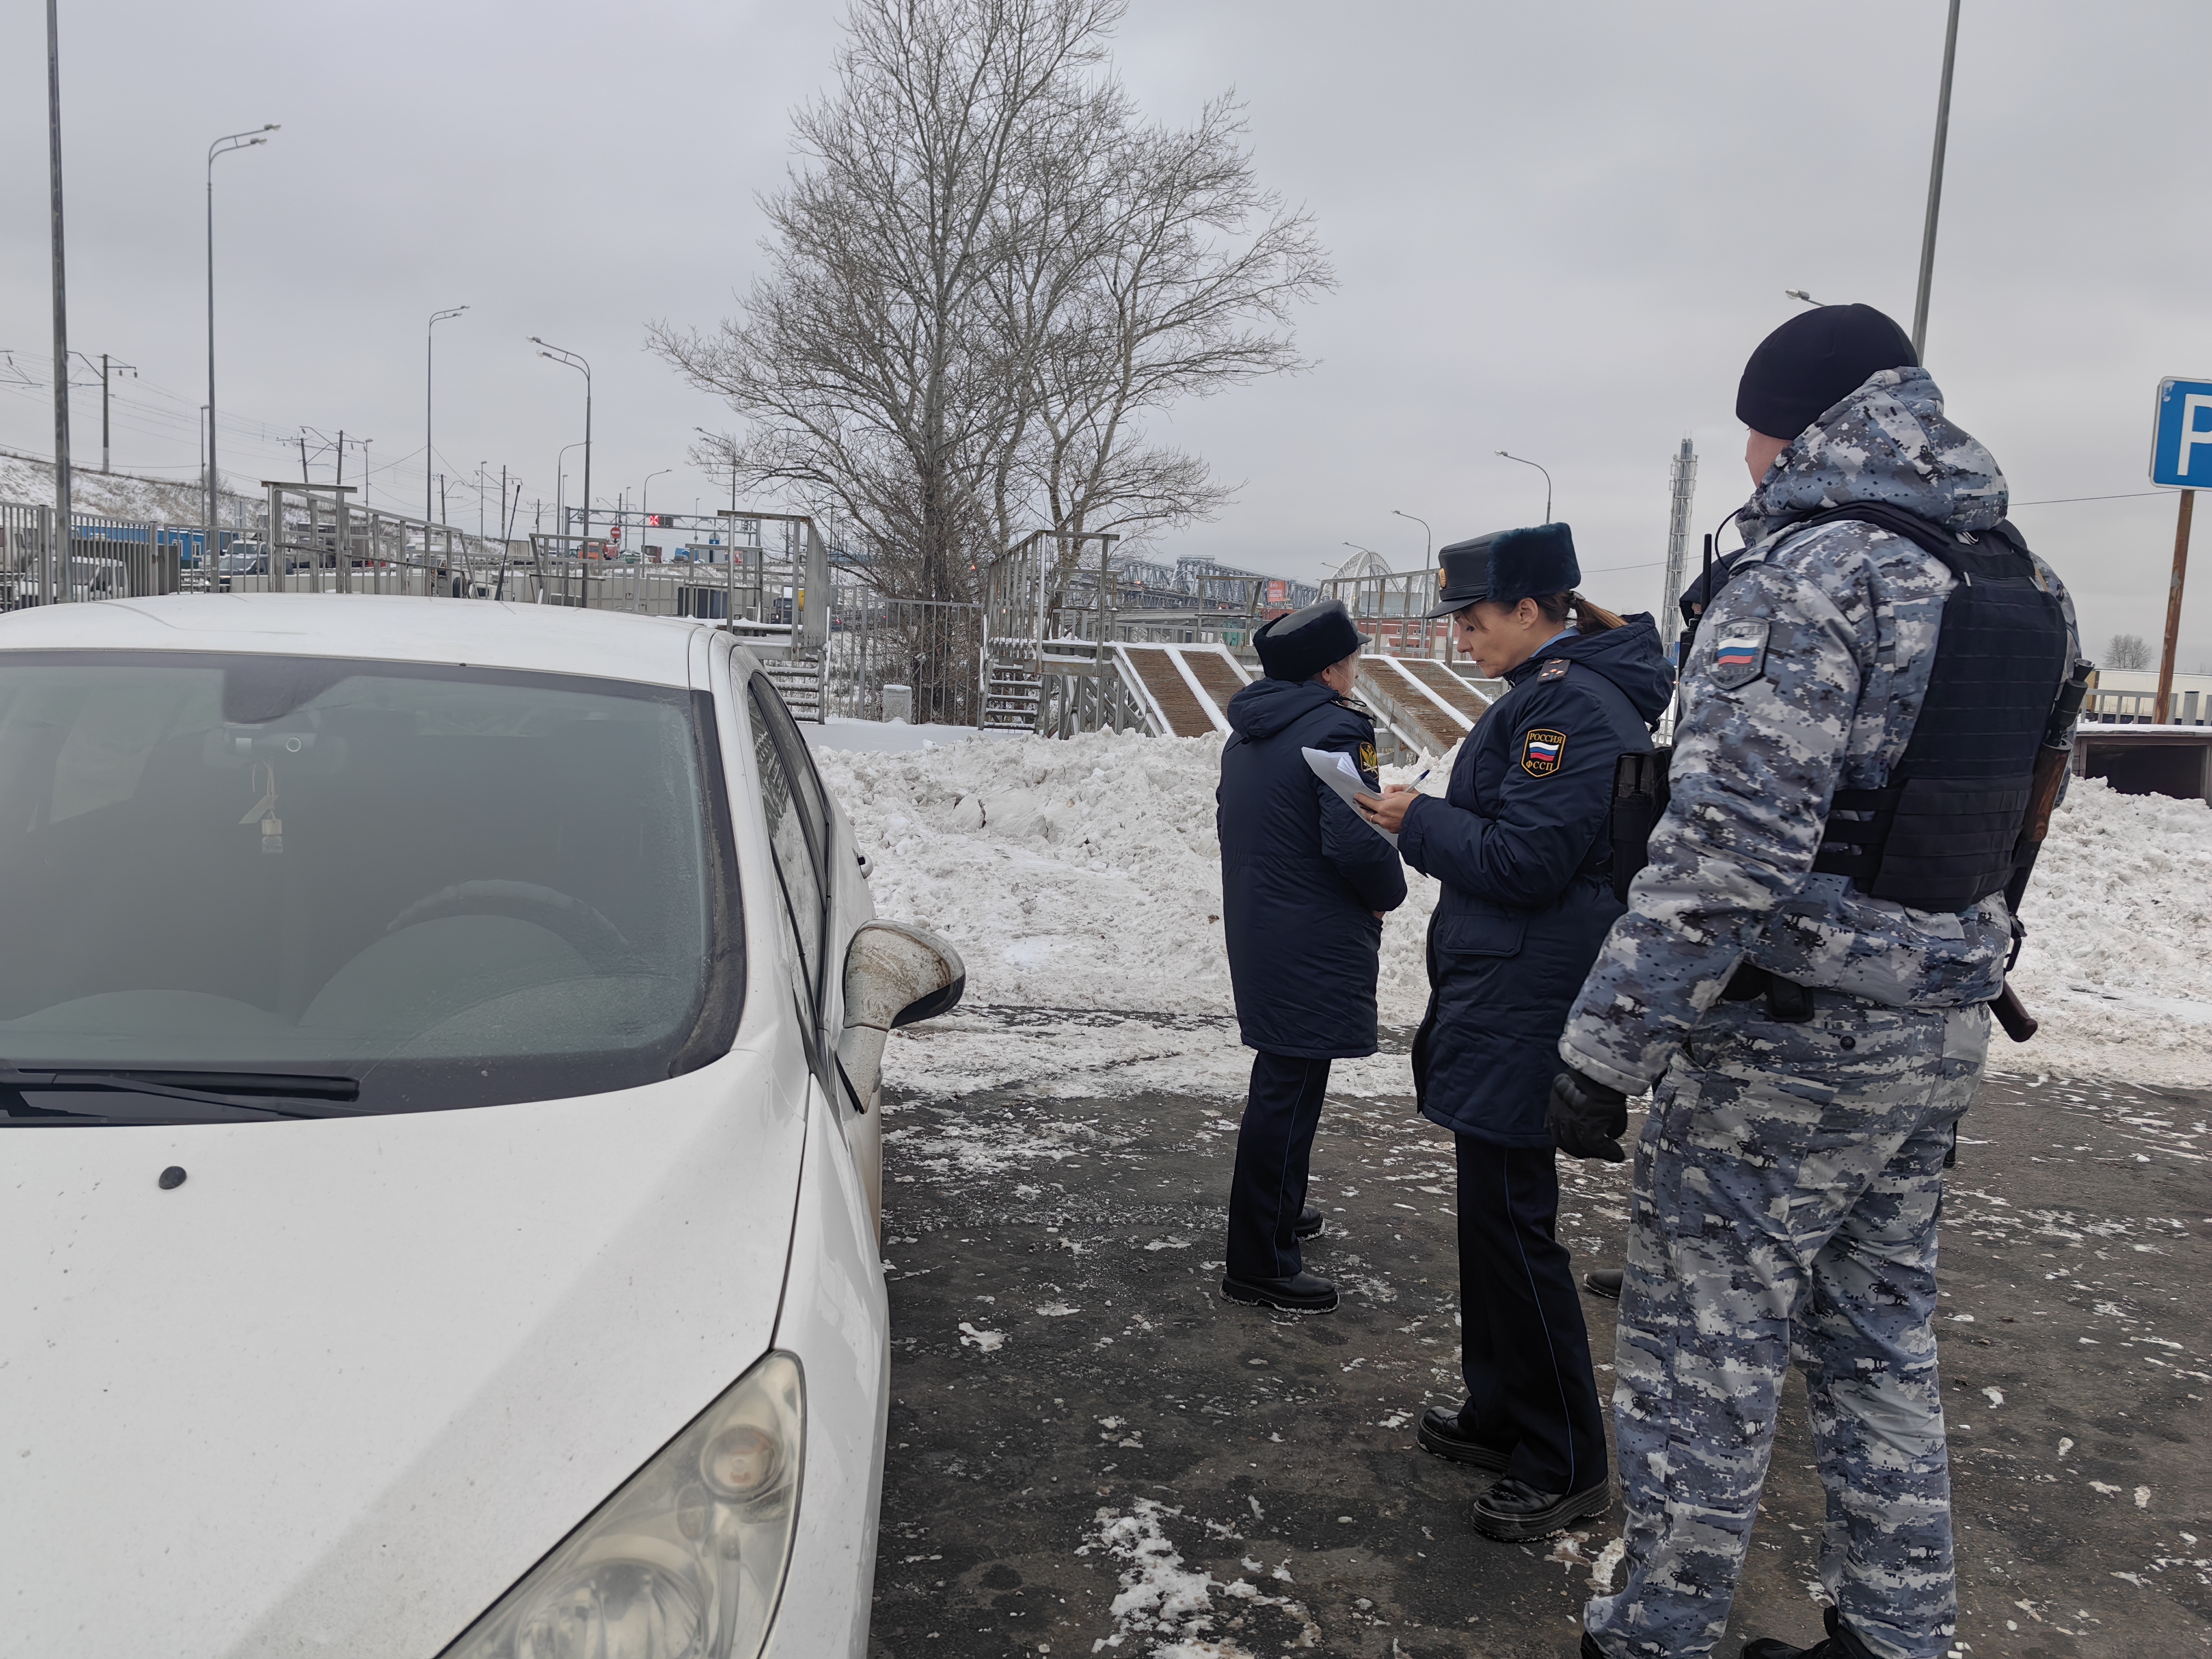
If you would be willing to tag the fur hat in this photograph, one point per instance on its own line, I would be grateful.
(1507, 566)
(1299, 646)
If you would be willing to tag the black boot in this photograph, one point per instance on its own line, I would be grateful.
(1605, 1282)
(1312, 1224)
(1514, 1512)
(1303, 1293)
(1840, 1643)
(1440, 1432)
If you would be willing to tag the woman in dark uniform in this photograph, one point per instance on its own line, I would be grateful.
(1520, 844)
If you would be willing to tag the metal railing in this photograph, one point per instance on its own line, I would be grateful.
(1388, 609)
(931, 649)
(105, 559)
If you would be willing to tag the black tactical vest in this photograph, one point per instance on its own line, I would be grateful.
(1942, 833)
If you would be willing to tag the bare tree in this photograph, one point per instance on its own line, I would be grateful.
(2128, 651)
(984, 273)
(1188, 276)
(866, 367)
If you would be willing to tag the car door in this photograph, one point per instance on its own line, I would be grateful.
(815, 864)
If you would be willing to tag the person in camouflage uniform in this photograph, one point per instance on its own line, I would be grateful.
(1789, 1177)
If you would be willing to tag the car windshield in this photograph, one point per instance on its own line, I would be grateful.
(400, 886)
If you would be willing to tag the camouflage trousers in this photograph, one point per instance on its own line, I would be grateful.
(1788, 1184)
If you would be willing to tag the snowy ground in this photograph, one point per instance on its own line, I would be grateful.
(115, 496)
(1080, 879)
(1090, 1452)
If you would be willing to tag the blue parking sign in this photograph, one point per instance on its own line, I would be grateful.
(2181, 435)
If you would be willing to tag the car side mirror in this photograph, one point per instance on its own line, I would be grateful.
(895, 975)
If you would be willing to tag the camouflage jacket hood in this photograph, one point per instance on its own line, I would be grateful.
(1888, 442)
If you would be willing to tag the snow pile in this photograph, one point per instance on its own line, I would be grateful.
(1168, 1606)
(1081, 873)
(2119, 920)
(110, 494)
(1081, 880)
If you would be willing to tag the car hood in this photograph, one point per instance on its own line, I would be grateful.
(341, 1388)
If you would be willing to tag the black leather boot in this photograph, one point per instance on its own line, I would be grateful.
(1440, 1432)
(1312, 1224)
(1605, 1282)
(1514, 1512)
(1303, 1294)
(1839, 1644)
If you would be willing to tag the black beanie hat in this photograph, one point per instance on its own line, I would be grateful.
(1299, 646)
(1815, 360)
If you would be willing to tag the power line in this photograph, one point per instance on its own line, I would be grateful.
(2125, 495)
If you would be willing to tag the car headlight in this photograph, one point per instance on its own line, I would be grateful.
(686, 1560)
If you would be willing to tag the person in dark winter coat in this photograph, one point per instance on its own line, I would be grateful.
(1520, 843)
(1305, 884)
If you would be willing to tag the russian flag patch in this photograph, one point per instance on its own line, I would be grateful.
(1541, 749)
(1739, 654)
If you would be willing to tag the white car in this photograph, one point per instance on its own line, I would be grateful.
(439, 1045)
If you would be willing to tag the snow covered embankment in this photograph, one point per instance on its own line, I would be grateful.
(1083, 876)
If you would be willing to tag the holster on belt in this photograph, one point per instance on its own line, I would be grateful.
(1786, 1002)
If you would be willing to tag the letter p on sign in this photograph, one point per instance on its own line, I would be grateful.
(2181, 435)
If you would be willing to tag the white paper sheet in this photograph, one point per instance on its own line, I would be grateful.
(1335, 769)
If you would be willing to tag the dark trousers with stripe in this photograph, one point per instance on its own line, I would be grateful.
(1523, 1349)
(1275, 1145)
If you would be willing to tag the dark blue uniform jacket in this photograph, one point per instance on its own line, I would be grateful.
(1302, 875)
(1519, 843)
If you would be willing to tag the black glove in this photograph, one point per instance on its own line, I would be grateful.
(1586, 1118)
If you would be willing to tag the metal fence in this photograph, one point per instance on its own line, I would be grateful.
(930, 652)
(106, 559)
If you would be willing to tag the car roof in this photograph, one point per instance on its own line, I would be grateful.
(482, 633)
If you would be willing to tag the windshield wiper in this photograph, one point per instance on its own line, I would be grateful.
(251, 1092)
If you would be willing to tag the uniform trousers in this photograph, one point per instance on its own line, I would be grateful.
(1275, 1145)
(1787, 1187)
(1524, 1350)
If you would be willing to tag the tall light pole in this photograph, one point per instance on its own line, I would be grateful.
(63, 522)
(1428, 558)
(429, 460)
(1934, 187)
(645, 494)
(584, 369)
(223, 146)
(1540, 467)
(561, 488)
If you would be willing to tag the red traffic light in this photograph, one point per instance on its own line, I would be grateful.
(660, 521)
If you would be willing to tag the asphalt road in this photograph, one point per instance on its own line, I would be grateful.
(1090, 1451)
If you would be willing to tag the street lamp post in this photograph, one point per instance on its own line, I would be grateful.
(584, 369)
(429, 460)
(1428, 559)
(63, 522)
(223, 146)
(644, 518)
(1540, 467)
(561, 490)
(1934, 188)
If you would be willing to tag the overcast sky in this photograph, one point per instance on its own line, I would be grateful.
(1559, 230)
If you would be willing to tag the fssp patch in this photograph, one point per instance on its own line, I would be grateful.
(1365, 757)
(1739, 654)
(1540, 750)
